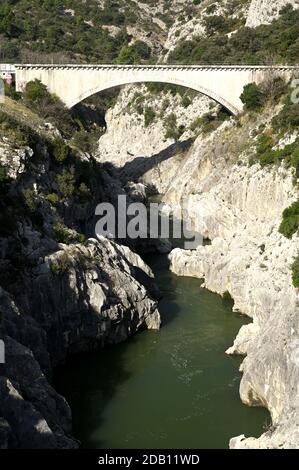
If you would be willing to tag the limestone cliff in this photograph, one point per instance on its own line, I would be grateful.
(263, 11)
(238, 207)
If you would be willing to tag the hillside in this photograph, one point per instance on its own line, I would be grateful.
(134, 32)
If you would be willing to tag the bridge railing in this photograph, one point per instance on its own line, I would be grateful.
(13, 68)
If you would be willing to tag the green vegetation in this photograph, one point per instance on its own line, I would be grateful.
(210, 121)
(286, 121)
(62, 233)
(256, 96)
(53, 199)
(49, 107)
(295, 272)
(218, 24)
(86, 141)
(84, 192)
(135, 54)
(60, 265)
(266, 155)
(252, 97)
(277, 42)
(172, 130)
(290, 220)
(66, 182)
(30, 199)
(288, 118)
(13, 130)
(29, 30)
(149, 116)
(60, 150)
(11, 92)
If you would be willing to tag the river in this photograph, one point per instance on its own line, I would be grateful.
(173, 388)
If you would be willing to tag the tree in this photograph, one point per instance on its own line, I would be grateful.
(35, 91)
(6, 17)
(290, 222)
(149, 116)
(138, 52)
(252, 97)
(60, 150)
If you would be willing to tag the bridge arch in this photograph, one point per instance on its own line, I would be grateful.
(117, 83)
(74, 83)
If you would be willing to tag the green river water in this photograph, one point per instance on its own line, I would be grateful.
(173, 388)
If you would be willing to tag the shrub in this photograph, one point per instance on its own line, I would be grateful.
(196, 124)
(252, 97)
(60, 150)
(290, 220)
(30, 199)
(186, 101)
(295, 272)
(274, 89)
(209, 122)
(149, 116)
(278, 40)
(61, 232)
(60, 265)
(80, 238)
(48, 106)
(11, 92)
(288, 117)
(87, 141)
(35, 91)
(53, 199)
(84, 192)
(66, 181)
(264, 144)
(138, 52)
(218, 24)
(172, 130)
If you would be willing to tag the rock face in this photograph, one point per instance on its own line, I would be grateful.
(80, 298)
(125, 119)
(238, 207)
(13, 159)
(58, 299)
(265, 11)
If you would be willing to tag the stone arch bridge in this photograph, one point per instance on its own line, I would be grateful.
(74, 83)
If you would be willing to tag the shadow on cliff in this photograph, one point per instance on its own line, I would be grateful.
(137, 167)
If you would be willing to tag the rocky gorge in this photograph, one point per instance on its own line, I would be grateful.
(238, 206)
(64, 292)
(58, 298)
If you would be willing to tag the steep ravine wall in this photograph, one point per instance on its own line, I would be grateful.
(58, 299)
(239, 207)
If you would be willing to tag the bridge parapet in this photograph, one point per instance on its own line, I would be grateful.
(163, 67)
